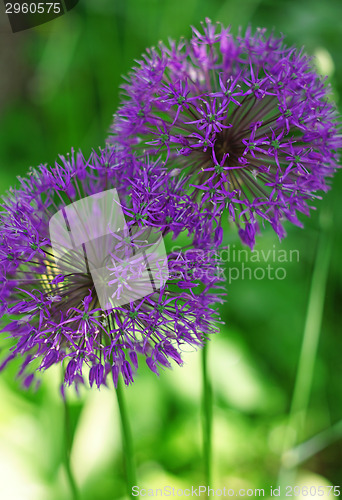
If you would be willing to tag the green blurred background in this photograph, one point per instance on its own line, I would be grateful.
(58, 89)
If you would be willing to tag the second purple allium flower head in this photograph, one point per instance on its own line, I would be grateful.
(245, 120)
(84, 282)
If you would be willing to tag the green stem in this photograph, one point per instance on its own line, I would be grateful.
(127, 442)
(207, 414)
(306, 364)
(67, 451)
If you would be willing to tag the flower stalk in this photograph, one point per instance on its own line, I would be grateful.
(127, 441)
(67, 450)
(207, 415)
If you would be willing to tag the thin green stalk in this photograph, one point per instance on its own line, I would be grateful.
(127, 442)
(306, 364)
(207, 415)
(67, 451)
(310, 448)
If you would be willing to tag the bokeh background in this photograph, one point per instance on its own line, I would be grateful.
(276, 365)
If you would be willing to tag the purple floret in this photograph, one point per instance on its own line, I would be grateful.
(246, 121)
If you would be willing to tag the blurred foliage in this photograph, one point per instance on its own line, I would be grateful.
(58, 89)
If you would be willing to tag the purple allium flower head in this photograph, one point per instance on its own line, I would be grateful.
(96, 305)
(245, 120)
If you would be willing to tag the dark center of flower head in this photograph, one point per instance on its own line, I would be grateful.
(237, 157)
(227, 143)
(110, 265)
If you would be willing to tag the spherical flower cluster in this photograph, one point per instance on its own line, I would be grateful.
(245, 121)
(96, 305)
